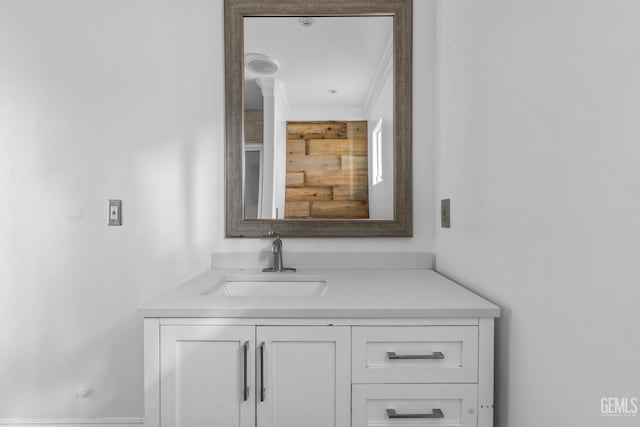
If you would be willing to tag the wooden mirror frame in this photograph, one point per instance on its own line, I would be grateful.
(402, 225)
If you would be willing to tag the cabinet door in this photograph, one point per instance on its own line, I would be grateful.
(204, 370)
(304, 373)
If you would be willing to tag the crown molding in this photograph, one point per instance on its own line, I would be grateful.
(385, 65)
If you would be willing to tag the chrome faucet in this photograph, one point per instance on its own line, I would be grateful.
(276, 250)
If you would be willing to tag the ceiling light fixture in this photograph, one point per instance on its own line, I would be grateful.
(306, 21)
(261, 64)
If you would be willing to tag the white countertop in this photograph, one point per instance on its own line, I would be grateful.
(351, 293)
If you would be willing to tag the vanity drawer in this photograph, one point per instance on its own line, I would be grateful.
(420, 354)
(414, 405)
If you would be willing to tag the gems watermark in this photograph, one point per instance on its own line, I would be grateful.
(619, 406)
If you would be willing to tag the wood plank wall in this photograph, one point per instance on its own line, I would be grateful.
(327, 173)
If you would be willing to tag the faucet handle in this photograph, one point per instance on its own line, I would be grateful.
(272, 233)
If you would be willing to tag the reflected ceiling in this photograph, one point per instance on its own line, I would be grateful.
(341, 54)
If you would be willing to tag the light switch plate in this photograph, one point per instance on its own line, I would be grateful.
(115, 212)
(445, 213)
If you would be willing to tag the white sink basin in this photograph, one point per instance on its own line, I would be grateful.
(271, 284)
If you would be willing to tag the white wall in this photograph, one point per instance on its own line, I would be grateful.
(123, 99)
(326, 113)
(280, 118)
(538, 151)
(269, 153)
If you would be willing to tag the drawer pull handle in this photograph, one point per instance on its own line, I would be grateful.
(262, 387)
(435, 355)
(435, 413)
(245, 386)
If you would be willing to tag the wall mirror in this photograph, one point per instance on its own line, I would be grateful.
(318, 118)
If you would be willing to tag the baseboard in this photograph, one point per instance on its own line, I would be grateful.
(72, 422)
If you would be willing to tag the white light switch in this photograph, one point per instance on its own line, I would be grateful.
(115, 212)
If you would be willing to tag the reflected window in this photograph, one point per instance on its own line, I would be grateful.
(376, 154)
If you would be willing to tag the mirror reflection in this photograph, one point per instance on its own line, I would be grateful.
(318, 118)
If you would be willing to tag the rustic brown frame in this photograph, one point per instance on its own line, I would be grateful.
(402, 224)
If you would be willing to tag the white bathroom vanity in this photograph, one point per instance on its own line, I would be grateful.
(386, 342)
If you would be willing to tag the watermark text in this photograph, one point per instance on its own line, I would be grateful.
(619, 406)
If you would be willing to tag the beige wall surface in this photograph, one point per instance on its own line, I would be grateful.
(123, 99)
(538, 151)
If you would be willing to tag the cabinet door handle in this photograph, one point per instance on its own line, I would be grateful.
(435, 413)
(245, 386)
(262, 388)
(435, 355)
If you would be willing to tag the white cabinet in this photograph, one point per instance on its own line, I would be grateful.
(415, 354)
(306, 374)
(418, 376)
(291, 372)
(254, 376)
(414, 405)
(203, 374)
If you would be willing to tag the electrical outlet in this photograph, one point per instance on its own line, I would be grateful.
(115, 212)
(445, 213)
(83, 392)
